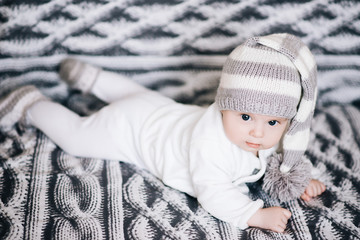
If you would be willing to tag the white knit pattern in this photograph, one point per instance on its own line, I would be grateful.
(123, 32)
(139, 206)
(262, 84)
(177, 48)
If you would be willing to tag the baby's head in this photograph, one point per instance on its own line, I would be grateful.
(259, 91)
(270, 83)
(258, 83)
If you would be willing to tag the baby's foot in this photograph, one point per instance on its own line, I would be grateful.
(14, 106)
(79, 75)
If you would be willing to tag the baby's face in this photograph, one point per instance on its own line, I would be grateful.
(253, 132)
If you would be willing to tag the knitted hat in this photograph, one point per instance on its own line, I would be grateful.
(275, 75)
(259, 79)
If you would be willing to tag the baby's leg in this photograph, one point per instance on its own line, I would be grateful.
(112, 133)
(108, 86)
(79, 136)
(111, 87)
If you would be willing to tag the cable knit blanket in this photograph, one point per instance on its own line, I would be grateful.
(177, 48)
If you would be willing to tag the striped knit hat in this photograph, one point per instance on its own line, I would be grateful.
(275, 75)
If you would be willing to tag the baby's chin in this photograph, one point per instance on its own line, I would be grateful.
(250, 150)
(256, 151)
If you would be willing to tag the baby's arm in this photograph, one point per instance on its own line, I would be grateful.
(273, 218)
(314, 189)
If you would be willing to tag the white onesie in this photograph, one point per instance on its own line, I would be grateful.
(183, 145)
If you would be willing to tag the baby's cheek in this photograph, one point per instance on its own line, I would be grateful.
(273, 140)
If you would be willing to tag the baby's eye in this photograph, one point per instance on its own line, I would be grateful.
(245, 117)
(273, 122)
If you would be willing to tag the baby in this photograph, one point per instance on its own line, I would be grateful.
(261, 114)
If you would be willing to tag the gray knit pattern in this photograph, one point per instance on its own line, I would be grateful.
(48, 194)
(177, 48)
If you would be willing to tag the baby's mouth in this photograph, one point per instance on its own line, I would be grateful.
(253, 145)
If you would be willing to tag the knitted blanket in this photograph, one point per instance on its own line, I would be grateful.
(177, 48)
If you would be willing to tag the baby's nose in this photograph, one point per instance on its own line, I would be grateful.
(257, 131)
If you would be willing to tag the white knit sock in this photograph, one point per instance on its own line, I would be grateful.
(14, 106)
(79, 75)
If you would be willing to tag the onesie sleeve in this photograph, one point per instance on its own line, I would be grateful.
(212, 182)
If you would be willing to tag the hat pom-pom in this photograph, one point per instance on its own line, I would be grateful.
(289, 185)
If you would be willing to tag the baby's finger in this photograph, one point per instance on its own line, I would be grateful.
(284, 220)
(305, 197)
(287, 213)
(318, 189)
(309, 190)
(278, 229)
(282, 225)
(322, 187)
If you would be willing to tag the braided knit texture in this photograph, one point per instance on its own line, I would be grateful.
(48, 194)
(177, 48)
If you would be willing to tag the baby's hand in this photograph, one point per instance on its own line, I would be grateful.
(314, 189)
(273, 218)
